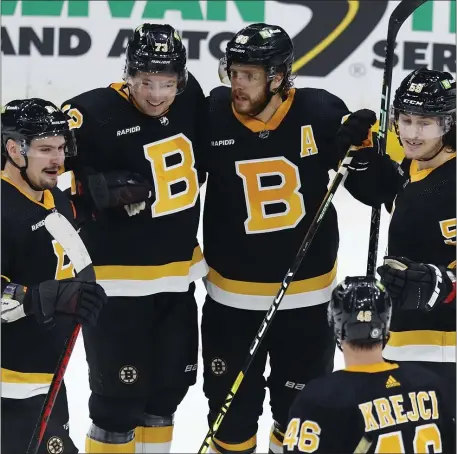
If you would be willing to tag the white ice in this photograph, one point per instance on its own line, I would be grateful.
(190, 419)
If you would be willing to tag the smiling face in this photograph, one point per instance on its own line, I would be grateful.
(153, 93)
(421, 136)
(45, 157)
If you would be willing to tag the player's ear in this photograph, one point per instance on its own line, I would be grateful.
(14, 151)
(11, 148)
(276, 82)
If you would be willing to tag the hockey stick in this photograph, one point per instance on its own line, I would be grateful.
(64, 233)
(364, 446)
(397, 18)
(266, 323)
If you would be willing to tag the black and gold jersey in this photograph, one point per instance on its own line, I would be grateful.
(30, 255)
(156, 250)
(265, 184)
(395, 408)
(423, 229)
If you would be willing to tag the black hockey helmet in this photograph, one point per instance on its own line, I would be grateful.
(24, 120)
(156, 48)
(265, 45)
(360, 310)
(427, 92)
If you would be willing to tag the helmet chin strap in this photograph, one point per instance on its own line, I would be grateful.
(23, 172)
(435, 155)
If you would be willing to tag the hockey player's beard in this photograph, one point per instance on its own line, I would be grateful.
(422, 150)
(47, 178)
(246, 105)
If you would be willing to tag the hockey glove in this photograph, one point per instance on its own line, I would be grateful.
(416, 285)
(68, 297)
(117, 189)
(356, 129)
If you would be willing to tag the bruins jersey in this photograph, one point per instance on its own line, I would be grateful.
(156, 250)
(30, 255)
(265, 184)
(423, 229)
(378, 408)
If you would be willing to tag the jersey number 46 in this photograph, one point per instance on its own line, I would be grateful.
(306, 437)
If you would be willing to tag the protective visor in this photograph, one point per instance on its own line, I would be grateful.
(49, 144)
(247, 78)
(222, 70)
(411, 125)
(158, 79)
(155, 85)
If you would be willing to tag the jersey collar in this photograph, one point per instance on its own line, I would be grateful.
(257, 126)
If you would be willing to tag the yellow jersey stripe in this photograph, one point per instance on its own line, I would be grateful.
(271, 289)
(146, 273)
(422, 337)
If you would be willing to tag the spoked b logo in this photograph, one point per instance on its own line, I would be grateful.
(218, 366)
(55, 445)
(128, 375)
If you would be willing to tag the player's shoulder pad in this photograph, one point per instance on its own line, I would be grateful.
(12, 205)
(8, 189)
(221, 93)
(323, 392)
(219, 100)
(95, 105)
(315, 401)
(193, 84)
(321, 101)
(192, 95)
(417, 376)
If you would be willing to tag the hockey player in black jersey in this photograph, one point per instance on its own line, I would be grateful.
(138, 185)
(41, 294)
(371, 406)
(419, 271)
(271, 147)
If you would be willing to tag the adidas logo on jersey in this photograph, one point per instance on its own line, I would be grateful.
(128, 130)
(218, 143)
(391, 382)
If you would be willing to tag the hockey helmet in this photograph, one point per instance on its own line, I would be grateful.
(26, 119)
(261, 44)
(425, 93)
(157, 48)
(360, 310)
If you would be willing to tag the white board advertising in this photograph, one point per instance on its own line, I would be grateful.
(59, 48)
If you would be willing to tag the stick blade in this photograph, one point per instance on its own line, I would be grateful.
(65, 234)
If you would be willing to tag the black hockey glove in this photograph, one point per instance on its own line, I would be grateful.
(68, 297)
(116, 189)
(356, 129)
(416, 285)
